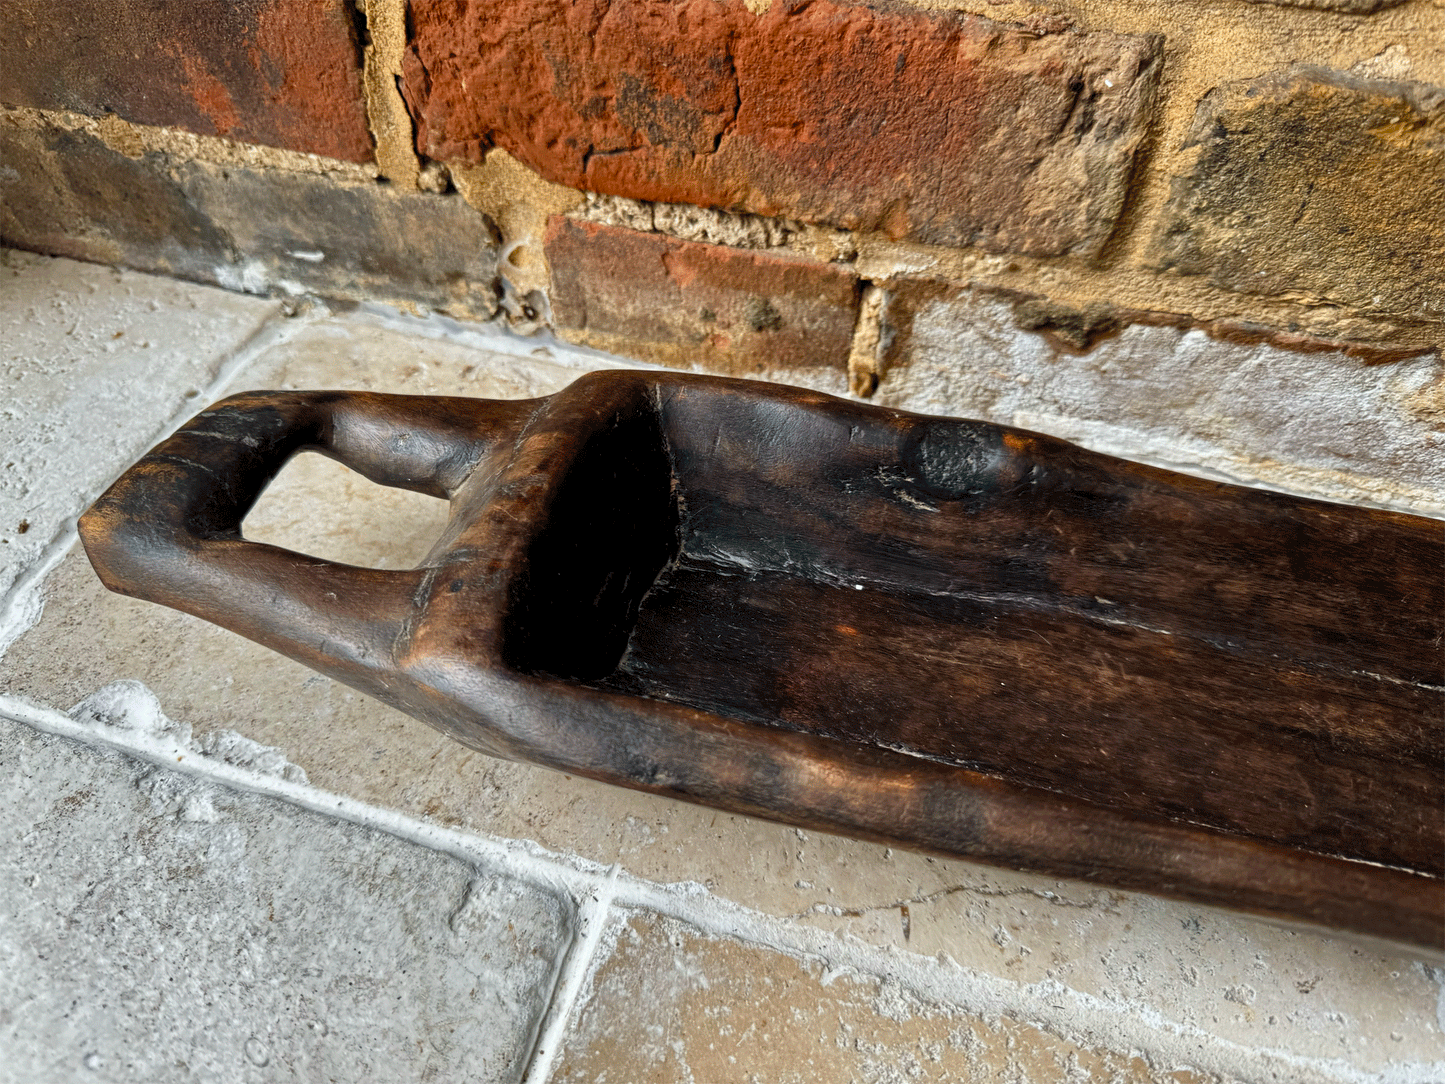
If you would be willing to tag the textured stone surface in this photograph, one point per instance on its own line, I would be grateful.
(1322, 424)
(702, 306)
(69, 193)
(1317, 185)
(262, 71)
(155, 928)
(935, 126)
(88, 381)
(669, 1004)
(1332, 1010)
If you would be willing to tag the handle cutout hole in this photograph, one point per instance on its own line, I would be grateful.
(320, 507)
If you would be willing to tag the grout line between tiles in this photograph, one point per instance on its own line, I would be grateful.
(592, 914)
(22, 604)
(1081, 1017)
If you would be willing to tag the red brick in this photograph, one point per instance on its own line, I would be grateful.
(936, 126)
(686, 304)
(277, 72)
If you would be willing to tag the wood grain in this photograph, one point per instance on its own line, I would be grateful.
(940, 633)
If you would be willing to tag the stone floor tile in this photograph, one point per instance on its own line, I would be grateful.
(155, 928)
(94, 363)
(667, 1003)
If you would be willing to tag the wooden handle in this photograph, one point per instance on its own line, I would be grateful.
(169, 530)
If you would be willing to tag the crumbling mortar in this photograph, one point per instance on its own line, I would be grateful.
(386, 112)
(1186, 304)
(518, 203)
(138, 140)
(687, 222)
(870, 342)
(1139, 296)
(1077, 329)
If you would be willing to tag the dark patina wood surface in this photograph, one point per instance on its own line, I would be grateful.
(940, 633)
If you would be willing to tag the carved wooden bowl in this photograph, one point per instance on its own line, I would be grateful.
(938, 633)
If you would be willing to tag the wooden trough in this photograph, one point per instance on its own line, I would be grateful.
(943, 634)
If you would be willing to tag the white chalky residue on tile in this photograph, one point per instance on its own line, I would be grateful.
(129, 705)
(252, 276)
(241, 751)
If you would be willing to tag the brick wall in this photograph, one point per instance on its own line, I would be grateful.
(797, 190)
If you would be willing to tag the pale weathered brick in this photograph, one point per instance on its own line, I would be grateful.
(69, 193)
(936, 126)
(1322, 422)
(1318, 185)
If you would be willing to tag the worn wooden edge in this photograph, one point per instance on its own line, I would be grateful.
(800, 779)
